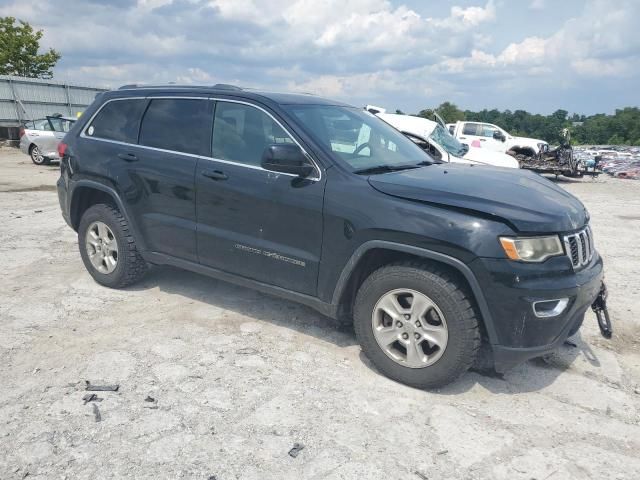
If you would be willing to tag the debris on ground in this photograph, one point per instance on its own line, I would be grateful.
(151, 402)
(100, 388)
(295, 451)
(421, 475)
(96, 413)
(91, 397)
(246, 351)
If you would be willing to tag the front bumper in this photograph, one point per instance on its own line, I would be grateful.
(512, 288)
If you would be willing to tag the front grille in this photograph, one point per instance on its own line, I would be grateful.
(579, 247)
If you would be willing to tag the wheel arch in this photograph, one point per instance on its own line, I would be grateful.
(87, 193)
(376, 253)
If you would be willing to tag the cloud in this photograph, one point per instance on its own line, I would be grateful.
(401, 55)
(537, 4)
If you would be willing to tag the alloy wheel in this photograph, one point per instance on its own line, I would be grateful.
(410, 328)
(36, 155)
(102, 247)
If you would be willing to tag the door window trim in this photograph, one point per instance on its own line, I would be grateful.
(256, 167)
(84, 135)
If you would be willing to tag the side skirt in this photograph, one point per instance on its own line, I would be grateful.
(161, 259)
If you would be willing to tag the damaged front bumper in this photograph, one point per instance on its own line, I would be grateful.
(534, 307)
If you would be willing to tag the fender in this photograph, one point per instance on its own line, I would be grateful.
(119, 203)
(461, 267)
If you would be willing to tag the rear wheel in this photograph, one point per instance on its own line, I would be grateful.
(416, 324)
(36, 156)
(108, 249)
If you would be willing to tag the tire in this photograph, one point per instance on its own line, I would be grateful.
(129, 266)
(576, 326)
(36, 156)
(450, 304)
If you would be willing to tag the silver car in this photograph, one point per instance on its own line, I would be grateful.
(39, 138)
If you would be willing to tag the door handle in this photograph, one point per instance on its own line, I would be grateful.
(463, 138)
(215, 174)
(128, 157)
(483, 140)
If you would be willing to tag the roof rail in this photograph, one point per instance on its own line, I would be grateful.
(220, 86)
(226, 86)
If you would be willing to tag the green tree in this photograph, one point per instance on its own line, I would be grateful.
(19, 45)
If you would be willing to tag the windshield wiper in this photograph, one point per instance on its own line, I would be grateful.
(384, 169)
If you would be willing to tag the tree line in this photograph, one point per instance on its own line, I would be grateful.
(621, 128)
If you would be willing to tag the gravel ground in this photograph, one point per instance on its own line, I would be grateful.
(238, 377)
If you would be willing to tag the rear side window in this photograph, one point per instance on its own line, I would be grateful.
(470, 129)
(118, 120)
(178, 124)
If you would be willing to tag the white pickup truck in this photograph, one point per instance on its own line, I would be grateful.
(492, 137)
(435, 139)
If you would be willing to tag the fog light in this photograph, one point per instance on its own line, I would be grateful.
(550, 308)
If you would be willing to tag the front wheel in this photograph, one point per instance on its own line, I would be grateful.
(416, 324)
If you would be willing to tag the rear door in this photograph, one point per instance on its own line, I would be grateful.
(258, 224)
(43, 137)
(150, 148)
(471, 134)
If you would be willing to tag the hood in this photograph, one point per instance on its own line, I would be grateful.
(491, 157)
(521, 198)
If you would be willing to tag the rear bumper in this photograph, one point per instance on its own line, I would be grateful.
(511, 289)
(61, 185)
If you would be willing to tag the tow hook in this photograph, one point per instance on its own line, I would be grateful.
(599, 306)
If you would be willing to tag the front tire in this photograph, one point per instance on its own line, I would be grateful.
(416, 324)
(108, 249)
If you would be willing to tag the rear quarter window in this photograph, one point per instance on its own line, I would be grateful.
(470, 129)
(118, 120)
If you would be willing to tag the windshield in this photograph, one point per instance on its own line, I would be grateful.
(358, 138)
(448, 142)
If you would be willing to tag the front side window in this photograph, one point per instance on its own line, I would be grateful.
(242, 132)
(357, 137)
(488, 130)
(118, 120)
(178, 124)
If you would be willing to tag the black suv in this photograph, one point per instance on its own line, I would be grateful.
(327, 205)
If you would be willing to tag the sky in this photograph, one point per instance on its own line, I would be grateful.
(538, 55)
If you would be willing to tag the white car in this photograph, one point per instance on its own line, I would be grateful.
(439, 143)
(492, 137)
(39, 138)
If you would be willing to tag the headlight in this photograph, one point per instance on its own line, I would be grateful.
(531, 249)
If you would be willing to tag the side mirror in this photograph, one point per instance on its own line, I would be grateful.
(286, 158)
(499, 136)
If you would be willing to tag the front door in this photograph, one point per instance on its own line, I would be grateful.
(258, 224)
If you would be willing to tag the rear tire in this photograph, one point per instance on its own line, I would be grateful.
(108, 249)
(36, 156)
(448, 307)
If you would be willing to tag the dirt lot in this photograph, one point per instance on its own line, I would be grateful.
(239, 377)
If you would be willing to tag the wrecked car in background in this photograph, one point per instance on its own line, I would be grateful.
(40, 138)
(435, 139)
(617, 161)
(560, 160)
(487, 135)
